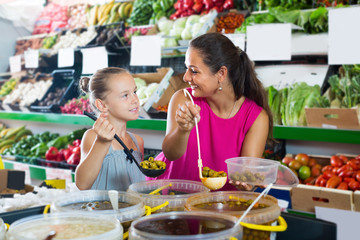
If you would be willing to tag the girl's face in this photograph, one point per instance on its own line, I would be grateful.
(202, 81)
(122, 101)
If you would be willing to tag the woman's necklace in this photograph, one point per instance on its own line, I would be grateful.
(232, 109)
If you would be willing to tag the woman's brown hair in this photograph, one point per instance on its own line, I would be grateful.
(97, 86)
(217, 51)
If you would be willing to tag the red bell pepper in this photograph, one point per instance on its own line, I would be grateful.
(52, 154)
(67, 153)
(218, 9)
(61, 156)
(178, 4)
(188, 4)
(76, 150)
(76, 143)
(208, 4)
(198, 6)
(73, 159)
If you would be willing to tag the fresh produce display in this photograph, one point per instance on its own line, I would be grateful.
(28, 92)
(49, 42)
(153, 164)
(108, 13)
(70, 155)
(53, 18)
(134, 31)
(229, 22)
(142, 12)
(297, 4)
(24, 44)
(288, 104)
(344, 91)
(106, 34)
(10, 136)
(312, 21)
(8, 86)
(207, 172)
(144, 91)
(53, 97)
(305, 167)
(78, 16)
(161, 8)
(185, 8)
(76, 106)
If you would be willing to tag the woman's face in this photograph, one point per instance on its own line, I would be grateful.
(122, 101)
(202, 81)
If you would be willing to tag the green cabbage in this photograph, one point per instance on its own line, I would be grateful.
(165, 25)
(139, 83)
(192, 20)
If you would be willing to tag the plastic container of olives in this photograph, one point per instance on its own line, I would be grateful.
(2, 229)
(131, 206)
(79, 226)
(254, 171)
(176, 195)
(235, 203)
(184, 226)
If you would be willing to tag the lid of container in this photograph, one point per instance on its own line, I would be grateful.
(185, 225)
(235, 203)
(259, 171)
(84, 226)
(131, 206)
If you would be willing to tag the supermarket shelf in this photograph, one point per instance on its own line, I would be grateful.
(36, 172)
(280, 132)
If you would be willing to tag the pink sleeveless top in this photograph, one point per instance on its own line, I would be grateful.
(220, 139)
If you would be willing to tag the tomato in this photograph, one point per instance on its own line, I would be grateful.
(287, 160)
(312, 162)
(302, 158)
(333, 182)
(346, 173)
(334, 170)
(348, 179)
(327, 168)
(335, 161)
(304, 172)
(295, 165)
(358, 157)
(320, 181)
(343, 159)
(328, 174)
(353, 164)
(309, 180)
(344, 168)
(354, 185)
(343, 186)
(318, 166)
(357, 176)
(315, 171)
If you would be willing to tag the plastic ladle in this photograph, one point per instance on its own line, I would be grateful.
(146, 172)
(114, 199)
(213, 183)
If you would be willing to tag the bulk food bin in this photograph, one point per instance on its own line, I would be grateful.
(98, 202)
(184, 226)
(258, 222)
(79, 226)
(176, 194)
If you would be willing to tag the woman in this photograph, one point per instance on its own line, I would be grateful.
(230, 104)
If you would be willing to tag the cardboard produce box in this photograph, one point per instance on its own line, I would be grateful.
(13, 181)
(347, 118)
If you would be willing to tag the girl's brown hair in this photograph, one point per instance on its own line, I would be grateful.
(97, 86)
(217, 51)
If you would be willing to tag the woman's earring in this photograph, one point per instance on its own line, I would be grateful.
(220, 88)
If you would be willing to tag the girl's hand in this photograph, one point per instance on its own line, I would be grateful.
(185, 115)
(103, 128)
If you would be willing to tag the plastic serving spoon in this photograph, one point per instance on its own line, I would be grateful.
(114, 196)
(214, 183)
(146, 172)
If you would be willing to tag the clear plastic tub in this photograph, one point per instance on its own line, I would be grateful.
(266, 214)
(182, 189)
(251, 170)
(184, 226)
(79, 226)
(2, 229)
(77, 201)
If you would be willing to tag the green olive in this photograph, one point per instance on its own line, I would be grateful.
(206, 168)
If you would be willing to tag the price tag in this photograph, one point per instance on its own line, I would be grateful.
(344, 36)
(238, 39)
(94, 59)
(31, 58)
(269, 42)
(23, 167)
(146, 51)
(15, 63)
(65, 57)
(1, 164)
(56, 173)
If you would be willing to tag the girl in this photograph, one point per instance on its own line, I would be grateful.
(230, 102)
(103, 164)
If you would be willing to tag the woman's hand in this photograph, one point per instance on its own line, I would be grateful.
(103, 128)
(185, 115)
(242, 186)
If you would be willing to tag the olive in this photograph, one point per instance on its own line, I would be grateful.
(171, 193)
(206, 168)
(205, 173)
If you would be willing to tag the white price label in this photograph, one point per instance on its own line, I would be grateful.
(94, 59)
(23, 167)
(269, 42)
(238, 39)
(56, 173)
(31, 58)
(146, 51)
(65, 57)
(15, 63)
(344, 36)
